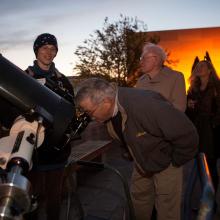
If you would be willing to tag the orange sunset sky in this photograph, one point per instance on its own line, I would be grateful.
(185, 44)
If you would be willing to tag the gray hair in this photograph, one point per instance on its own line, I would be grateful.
(155, 49)
(96, 89)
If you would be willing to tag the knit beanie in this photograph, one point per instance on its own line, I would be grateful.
(44, 39)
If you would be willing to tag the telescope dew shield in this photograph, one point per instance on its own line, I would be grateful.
(27, 95)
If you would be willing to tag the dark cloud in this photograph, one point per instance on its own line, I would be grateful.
(21, 21)
(17, 39)
(20, 6)
(10, 7)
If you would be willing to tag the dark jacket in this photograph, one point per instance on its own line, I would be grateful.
(206, 117)
(156, 133)
(8, 113)
(57, 82)
(54, 80)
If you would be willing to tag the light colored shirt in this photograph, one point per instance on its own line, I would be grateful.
(168, 83)
(116, 105)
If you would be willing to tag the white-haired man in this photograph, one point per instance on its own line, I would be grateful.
(157, 77)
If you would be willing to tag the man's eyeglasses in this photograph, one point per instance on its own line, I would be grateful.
(146, 57)
(91, 112)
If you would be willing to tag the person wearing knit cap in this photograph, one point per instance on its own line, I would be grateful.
(45, 48)
(51, 182)
(45, 39)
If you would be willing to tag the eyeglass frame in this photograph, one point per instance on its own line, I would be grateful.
(91, 112)
(145, 57)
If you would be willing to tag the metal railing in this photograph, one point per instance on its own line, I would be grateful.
(206, 209)
(207, 200)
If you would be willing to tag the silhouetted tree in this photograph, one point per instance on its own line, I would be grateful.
(114, 51)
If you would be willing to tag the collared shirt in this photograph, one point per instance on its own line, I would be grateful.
(116, 102)
(116, 106)
(168, 83)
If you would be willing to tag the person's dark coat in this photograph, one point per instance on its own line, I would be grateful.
(156, 133)
(57, 82)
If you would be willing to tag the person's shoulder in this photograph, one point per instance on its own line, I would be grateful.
(133, 91)
(172, 73)
(29, 71)
(142, 77)
(135, 96)
(59, 74)
(64, 79)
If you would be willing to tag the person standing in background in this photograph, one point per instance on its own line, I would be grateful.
(203, 108)
(160, 78)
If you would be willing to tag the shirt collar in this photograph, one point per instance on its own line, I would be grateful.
(116, 105)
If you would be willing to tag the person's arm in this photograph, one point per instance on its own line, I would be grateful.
(163, 121)
(192, 105)
(179, 93)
